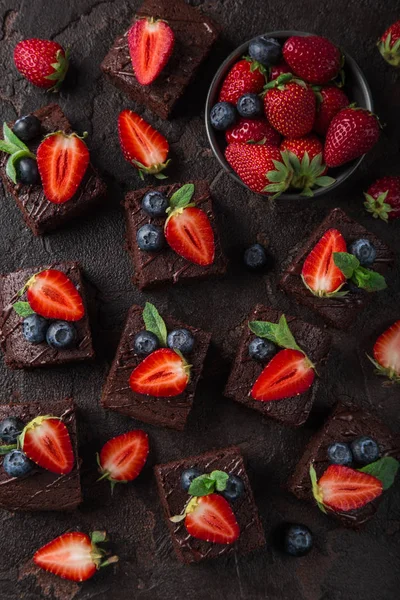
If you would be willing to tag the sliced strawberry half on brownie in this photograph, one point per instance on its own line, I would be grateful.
(46, 441)
(52, 295)
(151, 42)
(319, 273)
(211, 518)
(162, 373)
(387, 353)
(122, 458)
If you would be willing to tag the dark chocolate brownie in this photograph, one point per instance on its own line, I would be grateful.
(339, 312)
(174, 499)
(158, 268)
(245, 370)
(42, 490)
(20, 354)
(40, 214)
(345, 424)
(165, 412)
(194, 37)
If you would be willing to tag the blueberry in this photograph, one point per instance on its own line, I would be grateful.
(10, 429)
(223, 115)
(339, 453)
(364, 251)
(234, 488)
(181, 339)
(27, 128)
(266, 51)
(187, 477)
(261, 350)
(17, 464)
(34, 329)
(155, 203)
(249, 106)
(61, 335)
(255, 257)
(150, 238)
(365, 450)
(27, 171)
(145, 343)
(297, 540)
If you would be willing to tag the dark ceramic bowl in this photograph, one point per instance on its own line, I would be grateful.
(356, 87)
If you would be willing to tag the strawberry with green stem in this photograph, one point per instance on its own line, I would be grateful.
(123, 457)
(246, 76)
(319, 273)
(42, 62)
(382, 199)
(330, 100)
(389, 45)
(386, 354)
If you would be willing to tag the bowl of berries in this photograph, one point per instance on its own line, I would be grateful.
(289, 114)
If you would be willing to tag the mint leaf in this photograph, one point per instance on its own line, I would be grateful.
(13, 160)
(346, 262)
(182, 197)
(220, 478)
(23, 309)
(10, 137)
(278, 333)
(155, 323)
(6, 449)
(202, 486)
(368, 280)
(384, 469)
(8, 147)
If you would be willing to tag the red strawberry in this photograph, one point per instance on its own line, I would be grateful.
(150, 42)
(122, 458)
(343, 489)
(43, 62)
(330, 100)
(162, 373)
(279, 69)
(389, 45)
(307, 163)
(352, 132)
(189, 233)
(142, 145)
(53, 295)
(211, 518)
(387, 353)
(383, 198)
(256, 165)
(289, 105)
(313, 58)
(319, 273)
(244, 77)
(62, 162)
(253, 130)
(289, 373)
(73, 556)
(46, 441)
(299, 146)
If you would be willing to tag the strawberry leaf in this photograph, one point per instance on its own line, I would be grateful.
(23, 309)
(182, 197)
(155, 323)
(278, 333)
(385, 469)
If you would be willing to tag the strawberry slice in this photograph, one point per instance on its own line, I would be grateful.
(289, 373)
(52, 294)
(189, 233)
(162, 373)
(387, 352)
(342, 489)
(211, 518)
(46, 441)
(123, 457)
(62, 162)
(150, 42)
(319, 272)
(141, 144)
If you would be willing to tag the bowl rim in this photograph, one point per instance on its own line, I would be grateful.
(216, 81)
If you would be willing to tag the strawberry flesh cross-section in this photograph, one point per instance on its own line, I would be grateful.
(122, 458)
(319, 273)
(164, 373)
(210, 518)
(52, 295)
(189, 233)
(342, 489)
(151, 43)
(46, 441)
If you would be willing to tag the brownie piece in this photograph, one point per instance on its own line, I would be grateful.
(42, 490)
(165, 412)
(173, 498)
(159, 268)
(194, 37)
(345, 424)
(245, 370)
(20, 354)
(40, 214)
(338, 312)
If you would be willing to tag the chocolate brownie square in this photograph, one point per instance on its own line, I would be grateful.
(245, 370)
(173, 498)
(194, 36)
(338, 312)
(159, 268)
(345, 424)
(165, 412)
(41, 489)
(18, 352)
(40, 214)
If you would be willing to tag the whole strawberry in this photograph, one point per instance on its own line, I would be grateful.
(43, 62)
(352, 133)
(389, 45)
(244, 77)
(313, 58)
(289, 106)
(306, 159)
(330, 100)
(383, 198)
(253, 130)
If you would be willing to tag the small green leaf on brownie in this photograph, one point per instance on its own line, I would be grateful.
(366, 279)
(182, 197)
(346, 262)
(385, 469)
(155, 323)
(278, 333)
(23, 309)
(220, 478)
(208, 483)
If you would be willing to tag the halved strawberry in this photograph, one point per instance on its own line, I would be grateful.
(45, 440)
(142, 145)
(343, 489)
(122, 458)
(319, 273)
(211, 518)
(150, 42)
(162, 373)
(189, 233)
(387, 353)
(52, 294)
(289, 373)
(62, 162)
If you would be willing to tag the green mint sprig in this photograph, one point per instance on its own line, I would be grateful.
(278, 333)
(181, 198)
(11, 144)
(23, 309)
(154, 322)
(364, 278)
(385, 469)
(208, 483)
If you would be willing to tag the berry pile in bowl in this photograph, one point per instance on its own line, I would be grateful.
(289, 114)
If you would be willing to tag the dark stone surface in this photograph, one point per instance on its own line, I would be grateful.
(343, 565)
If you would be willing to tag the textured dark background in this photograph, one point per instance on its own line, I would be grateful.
(344, 565)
